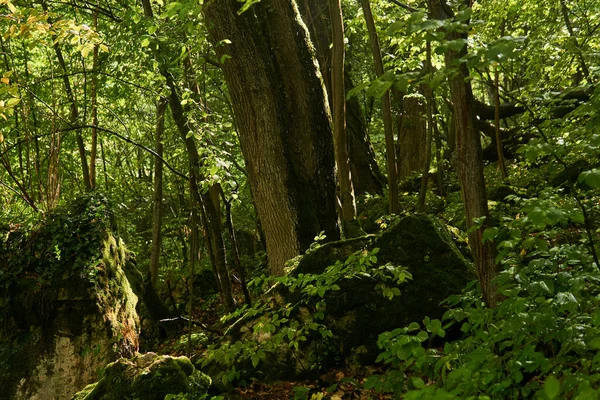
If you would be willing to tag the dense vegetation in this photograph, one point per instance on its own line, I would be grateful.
(226, 138)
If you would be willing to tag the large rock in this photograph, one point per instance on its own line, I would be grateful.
(67, 308)
(149, 377)
(358, 313)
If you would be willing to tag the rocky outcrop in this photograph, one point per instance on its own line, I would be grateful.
(147, 376)
(341, 324)
(358, 313)
(67, 306)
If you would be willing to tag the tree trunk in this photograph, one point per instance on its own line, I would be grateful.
(366, 174)
(283, 118)
(469, 163)
(94, 96)
(412, 136)
(429, 137)
(386, 109)
(158, 192)
(74, 110)
(212, 223)
(350, 226)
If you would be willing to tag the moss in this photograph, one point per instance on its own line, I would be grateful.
(85, 392)
(148, 376)
(358, 313)
(64, 280)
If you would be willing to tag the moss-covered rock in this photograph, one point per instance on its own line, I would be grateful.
(358, 313)
(67, 307)
(147, 376)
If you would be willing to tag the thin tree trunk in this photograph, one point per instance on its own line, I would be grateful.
(428, 139)
(210, 215)
(499, 147)
(366, 174)
(350, 226)
(386, 108)
(94, 96)
(569, 25)
(158, 192)
(235, 250)
(201, 202)
(74, 111)
(470, 164)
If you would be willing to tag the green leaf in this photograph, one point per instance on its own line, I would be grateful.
(551, 387)
(413, 327)
(590, 178)
(489, 234)
(464, 15)
(418, 383)
(456, 45)
(356, 89)
(12, 102)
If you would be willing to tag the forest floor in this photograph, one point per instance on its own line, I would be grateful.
(334, 384)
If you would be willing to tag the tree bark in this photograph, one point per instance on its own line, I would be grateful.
(428, 139)
(284, 125)
(469, 163)
(412, 135)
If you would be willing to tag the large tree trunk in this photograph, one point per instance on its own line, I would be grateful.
(469, 163)
(366, 174)
(283, 118)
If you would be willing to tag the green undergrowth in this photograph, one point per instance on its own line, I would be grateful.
(542, 341)
(286, 334)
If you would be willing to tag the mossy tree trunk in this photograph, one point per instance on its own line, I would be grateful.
(469, 162)
(284, 125)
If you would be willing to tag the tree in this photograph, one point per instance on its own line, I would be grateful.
(386, 108)
(365, 172)
(469, 161)
(284, 127)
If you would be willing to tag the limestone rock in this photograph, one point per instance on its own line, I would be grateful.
(67, 307)
(147, 376)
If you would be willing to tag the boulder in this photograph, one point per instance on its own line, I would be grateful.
(147, 376)
(357, 313)
(67, 306)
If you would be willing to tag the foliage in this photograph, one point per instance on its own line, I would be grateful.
(541, 341)
(295, 332)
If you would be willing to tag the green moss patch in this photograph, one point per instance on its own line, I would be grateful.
(147, 376)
